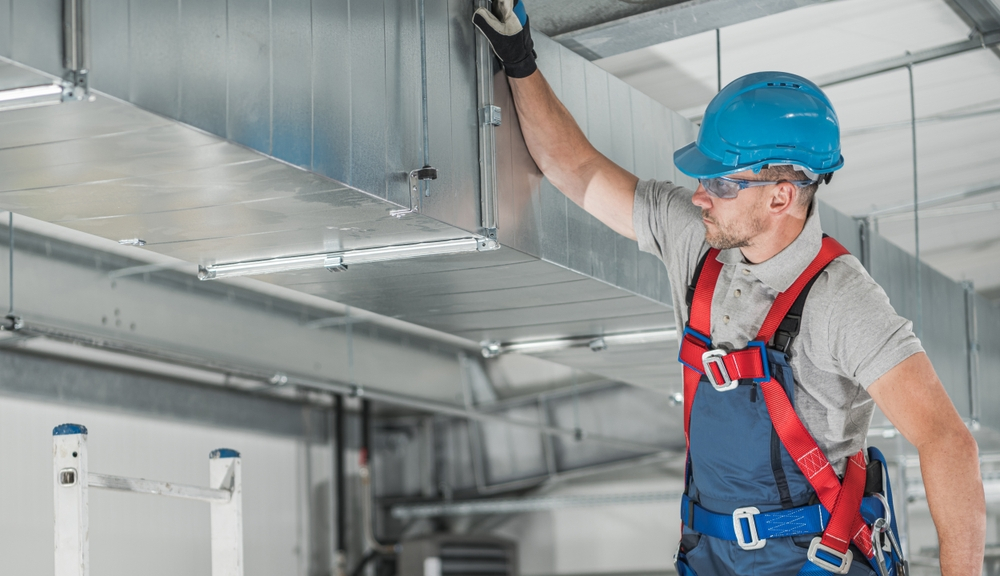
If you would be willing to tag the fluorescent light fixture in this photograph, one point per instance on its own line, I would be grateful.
(31, 96)
(491, 349)
(339, 261)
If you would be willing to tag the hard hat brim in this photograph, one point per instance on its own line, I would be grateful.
(693, 162)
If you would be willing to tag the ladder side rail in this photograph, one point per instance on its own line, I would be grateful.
(69, 466)
(225, 473)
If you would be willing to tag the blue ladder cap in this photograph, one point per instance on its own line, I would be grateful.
(67, 429)
(224, 453)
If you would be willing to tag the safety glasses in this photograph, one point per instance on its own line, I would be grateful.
(722, 187)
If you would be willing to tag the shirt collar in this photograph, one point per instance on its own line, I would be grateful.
(781, 270)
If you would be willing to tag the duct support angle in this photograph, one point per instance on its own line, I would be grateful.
(76, 50)
(339, 261)
(488, 120)
(11, 322)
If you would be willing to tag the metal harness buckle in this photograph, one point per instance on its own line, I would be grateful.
(748, 513)
(817, 546)
(714, 357)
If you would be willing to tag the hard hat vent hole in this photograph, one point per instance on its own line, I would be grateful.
(790, 146)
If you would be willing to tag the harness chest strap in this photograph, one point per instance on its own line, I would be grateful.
(841, 499)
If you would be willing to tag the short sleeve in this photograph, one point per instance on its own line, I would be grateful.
(666, 223)
(867, 337)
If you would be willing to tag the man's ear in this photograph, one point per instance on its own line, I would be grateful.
(783, 197)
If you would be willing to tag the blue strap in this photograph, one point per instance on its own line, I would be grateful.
(776, 524)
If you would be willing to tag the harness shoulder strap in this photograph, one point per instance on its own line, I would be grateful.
(694, 279)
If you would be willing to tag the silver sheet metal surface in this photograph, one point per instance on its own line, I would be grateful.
(113, 170)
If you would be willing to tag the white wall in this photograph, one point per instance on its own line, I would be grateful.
(137, 534)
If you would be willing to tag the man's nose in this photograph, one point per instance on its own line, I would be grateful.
(701, 198)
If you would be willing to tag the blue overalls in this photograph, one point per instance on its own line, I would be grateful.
(760, 497)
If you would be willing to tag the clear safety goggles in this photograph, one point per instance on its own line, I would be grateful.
(722, 187)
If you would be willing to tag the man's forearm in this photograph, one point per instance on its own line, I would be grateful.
(568, 160)
(554, 139)
(950, 469)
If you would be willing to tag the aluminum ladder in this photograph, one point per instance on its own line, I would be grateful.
(72, 480)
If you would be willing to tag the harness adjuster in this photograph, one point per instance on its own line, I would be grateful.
(749, 514)
(723, 379)
(715, 358)
(816, 547)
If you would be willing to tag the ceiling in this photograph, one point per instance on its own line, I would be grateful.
(957, 102)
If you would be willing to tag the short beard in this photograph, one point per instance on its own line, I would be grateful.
(738, 236)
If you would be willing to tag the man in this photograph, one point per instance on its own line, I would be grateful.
(766, 143)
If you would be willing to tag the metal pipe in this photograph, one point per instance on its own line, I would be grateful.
(522, 505)
(978, 190)
(367, 513)
(972, 338)
(977, 42)
(341, 484)
(423, 97)
(916, 206)
(487, 137)
(902, 511)
(718, 59)
(10, 231)
(335, 386)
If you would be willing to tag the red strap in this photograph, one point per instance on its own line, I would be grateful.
(840, 501)
(700, 320)
(828, 252)
(701, 305)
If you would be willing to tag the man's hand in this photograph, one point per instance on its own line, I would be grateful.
(509, 35)
(914, 400)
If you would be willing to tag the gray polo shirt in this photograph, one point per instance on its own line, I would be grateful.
(850, 334)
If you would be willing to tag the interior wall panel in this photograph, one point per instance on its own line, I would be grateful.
(943, 303)
(109, 58)
(458, 202)
(440, 117)
(154, 61)
(404, 126)
(331, 69)
(5, 28)
(368, 96)
(988, 369)
(204, 64)
(36, 34)
(292, 82)
(249, 79)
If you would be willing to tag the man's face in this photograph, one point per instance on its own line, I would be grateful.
(734, 222)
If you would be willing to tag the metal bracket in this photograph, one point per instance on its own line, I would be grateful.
(487, 244)
(489, 119)
(490, 115)
(76, 50)
(415, 176)
(11, 323)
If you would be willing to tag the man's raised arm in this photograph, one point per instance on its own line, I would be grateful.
(554, 139)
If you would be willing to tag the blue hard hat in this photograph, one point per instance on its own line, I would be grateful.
(765, 118)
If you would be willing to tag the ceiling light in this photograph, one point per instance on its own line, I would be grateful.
(339, 261)
(491, 349)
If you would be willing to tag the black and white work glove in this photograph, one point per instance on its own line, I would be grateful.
(510, 36)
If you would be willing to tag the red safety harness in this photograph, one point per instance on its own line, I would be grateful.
(724, 370)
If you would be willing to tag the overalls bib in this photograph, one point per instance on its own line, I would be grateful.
(761, 498)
